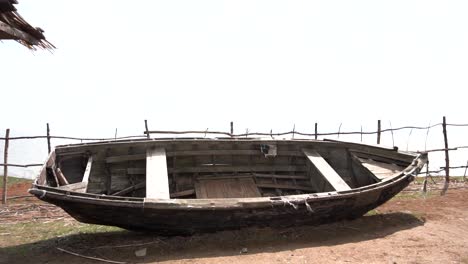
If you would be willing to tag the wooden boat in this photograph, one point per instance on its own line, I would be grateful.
(185, 186)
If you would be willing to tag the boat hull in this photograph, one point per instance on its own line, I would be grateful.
(185, 220)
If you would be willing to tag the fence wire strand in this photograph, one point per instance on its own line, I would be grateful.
(231, 135)
(240, 135)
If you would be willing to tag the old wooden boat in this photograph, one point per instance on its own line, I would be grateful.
(184, 186)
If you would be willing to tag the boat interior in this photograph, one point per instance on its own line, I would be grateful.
(199, 169)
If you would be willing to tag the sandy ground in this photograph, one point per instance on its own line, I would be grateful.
(408, 229)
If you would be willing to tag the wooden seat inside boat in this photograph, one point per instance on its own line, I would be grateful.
(227, 169)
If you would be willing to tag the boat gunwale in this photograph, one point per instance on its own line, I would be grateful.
(110, 143)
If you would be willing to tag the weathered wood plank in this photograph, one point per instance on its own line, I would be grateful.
(381, 170)
(75, 187)
(130, 189)
(258, 175)
(136, 171)
(61, 178)
(183, 193)
(361, 173)
(120, 180)
(125, 158)
(287, 177)
(388, 158)
(326, 170)
(167, 143)
(157, 182)
(220, 169)
(42, 175)
(284, 186)
(88, 169)
(219, 177)
(227, 188)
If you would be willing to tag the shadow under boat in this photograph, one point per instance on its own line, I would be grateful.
(225, 243)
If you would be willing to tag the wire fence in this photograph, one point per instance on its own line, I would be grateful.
(293, 132)
(230, 134)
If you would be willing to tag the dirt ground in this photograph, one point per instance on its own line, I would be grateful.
(411, 228)
(19, 189)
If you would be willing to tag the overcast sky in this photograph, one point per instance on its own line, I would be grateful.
(262, 64)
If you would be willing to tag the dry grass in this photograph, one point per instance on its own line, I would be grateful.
(13, 180)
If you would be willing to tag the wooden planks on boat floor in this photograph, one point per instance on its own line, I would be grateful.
(286, 187)
(227, 188)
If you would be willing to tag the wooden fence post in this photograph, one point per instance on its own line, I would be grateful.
(232, 129)
(447, 159)
(464, 174)
(379, 131)
(5, 166)
(361, 133)
(316, 136)
(339, 130)
(424, 189)
(391, 130)
(146, 127)
(48, 139)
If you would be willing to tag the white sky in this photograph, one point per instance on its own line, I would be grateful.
(262, 64)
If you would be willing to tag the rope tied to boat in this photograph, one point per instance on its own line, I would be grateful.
(309, 208)
(43, 194)
(286, 201)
